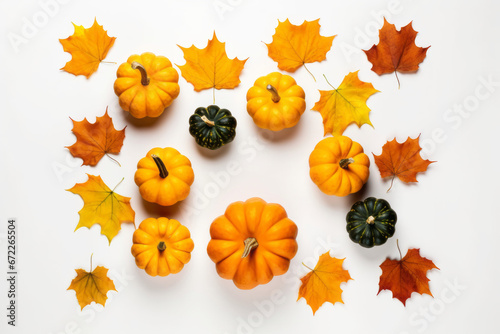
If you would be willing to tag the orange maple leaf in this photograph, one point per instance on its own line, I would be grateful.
(406, 276)
(294, 46)
(92, 286)
(88, 47)
(94, 140)
(322, 284)
(396, 51)
(401, 160)
(210, 67)
(345, 105)
(102, 206)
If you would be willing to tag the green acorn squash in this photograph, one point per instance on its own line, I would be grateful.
(371, 222)
(212, 127)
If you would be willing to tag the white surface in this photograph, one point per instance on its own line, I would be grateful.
(449, 215)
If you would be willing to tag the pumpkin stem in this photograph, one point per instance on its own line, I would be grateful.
(344, 163)
(160, 165)
(250, 244)
(370, 220)
(144, 74)
(162, 246)
(274, 93)
(207, 121)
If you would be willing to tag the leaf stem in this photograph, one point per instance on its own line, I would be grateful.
(399, 85)
(213, 93)
(118, 184)
(113, 159)
(309, 72)
(392, 182)
(397, 244)
(91, 255)
(307, 266)
(328, 82)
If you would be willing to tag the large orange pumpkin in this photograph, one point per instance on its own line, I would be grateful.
(339, 166)
(252, 242)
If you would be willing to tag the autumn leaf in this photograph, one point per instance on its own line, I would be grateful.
(92, 286)
(102, 206)
(396, 51)
(401, 160)
(294, 46)
(94, 140)
(345, 105)
(210, 67)
(88, 47)
(322, 284)
(406, 276)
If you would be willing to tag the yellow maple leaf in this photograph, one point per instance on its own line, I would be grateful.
(345, 105)
(88, 47)
(293, 46)
(210, 67)
(92, 286)
(322, 284)
(102, 206)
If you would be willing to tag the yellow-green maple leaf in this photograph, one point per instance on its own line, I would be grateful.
(102, 206)
(345, 105)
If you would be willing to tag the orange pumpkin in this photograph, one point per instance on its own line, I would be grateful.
(276, 102)
(146, 84)
(252, 242)
(338, 166)
(164, 176)
(162, 246)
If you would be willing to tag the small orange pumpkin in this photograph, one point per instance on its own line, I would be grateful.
(338, 166)
(162, 246)
(276, 102)
(252, 242)
(164, 176)
(146, 84)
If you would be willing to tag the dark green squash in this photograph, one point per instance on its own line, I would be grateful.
(371, 222)
(212, 127)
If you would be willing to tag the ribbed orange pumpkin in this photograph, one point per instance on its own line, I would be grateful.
(276, 102)
(252, 242)
(162, 246)
(146, 84)
(338, 166)
(164, 176)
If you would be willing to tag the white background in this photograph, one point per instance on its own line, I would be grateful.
(450, 214)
